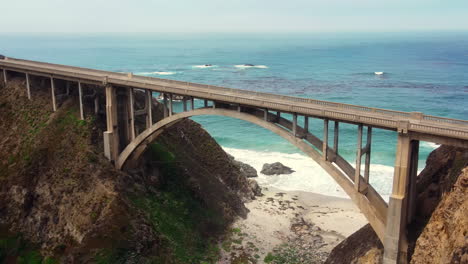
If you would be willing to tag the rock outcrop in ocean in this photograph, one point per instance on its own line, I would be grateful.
(275, 169)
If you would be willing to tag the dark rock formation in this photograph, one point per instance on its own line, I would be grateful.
(249, 171)
(275, 169)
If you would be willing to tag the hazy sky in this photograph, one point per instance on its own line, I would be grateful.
(231, 15)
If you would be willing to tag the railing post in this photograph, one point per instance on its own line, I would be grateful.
(80, 97)
(131, 112)
(325, 140)
(395, 240)
(52, 88)
(28, 86)
(149, 108)
(111, 136)
(357, 174)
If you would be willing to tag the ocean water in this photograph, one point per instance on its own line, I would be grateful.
(424, 72)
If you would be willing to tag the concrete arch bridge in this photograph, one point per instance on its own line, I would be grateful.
(124, 143)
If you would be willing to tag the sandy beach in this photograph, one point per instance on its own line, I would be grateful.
(292, 226)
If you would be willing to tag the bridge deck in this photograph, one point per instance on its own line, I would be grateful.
(376, 117)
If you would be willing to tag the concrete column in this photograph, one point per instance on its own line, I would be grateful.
(111, 136)
(5, 76)
(149, 108)
(192, 103)
(336, 137)
(96, 105)
(325, 140)
(165, 105)
(131, 113)
(412, 180)
(67, 85)
(357, 173)
(80, 96)
(184, 102)
(368, 153)
(265, 114)
(52, 86)
(306, 124)
(28, 86)
(294, 128)
(170, 104)
(395, 240)
(278, 116)
(205, 103)
(239, 108)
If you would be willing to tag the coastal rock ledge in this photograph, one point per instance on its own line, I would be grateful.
(275, 169)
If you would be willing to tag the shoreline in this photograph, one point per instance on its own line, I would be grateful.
(299, 224)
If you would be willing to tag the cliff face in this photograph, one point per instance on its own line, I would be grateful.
(439, 232)
(60, 198)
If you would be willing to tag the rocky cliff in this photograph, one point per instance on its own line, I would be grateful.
(439, 232)
(62, 201)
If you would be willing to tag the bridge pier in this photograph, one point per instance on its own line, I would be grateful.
(5, 76)
(149, 108)
(111, 136)
(131, 113)
(52, 87)
(80, 96)
(170, 104)
(28, 86)
(395, 239)
(192, 103)
(336, 134)
(325, 140)
(165, 105)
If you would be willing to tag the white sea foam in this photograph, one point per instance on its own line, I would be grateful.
(156, 73)
(430, 145)
(308, 175)
(204, 66)
(243, 66)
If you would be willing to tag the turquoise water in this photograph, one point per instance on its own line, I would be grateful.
(425, 72)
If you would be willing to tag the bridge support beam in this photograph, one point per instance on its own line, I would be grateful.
(184, 102)
(170, 105)
(52, 87)
(325, 140)
(80, 96)
(192, 103)
(336, 134)
(111, 136)
(131, 113)
(306, 124)
(28, 86)
(5, 76)
(294, 128)
(149, 108)
(165, 104)
(395, 239)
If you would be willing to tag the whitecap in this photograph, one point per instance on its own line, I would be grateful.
(204, 66)
(430, 145)
(156, 73)
(245, 66)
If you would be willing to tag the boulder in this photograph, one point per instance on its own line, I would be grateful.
(275, 169)
(246, 169)
(256, 189)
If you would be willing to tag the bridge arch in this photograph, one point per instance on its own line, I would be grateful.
(369, 202)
